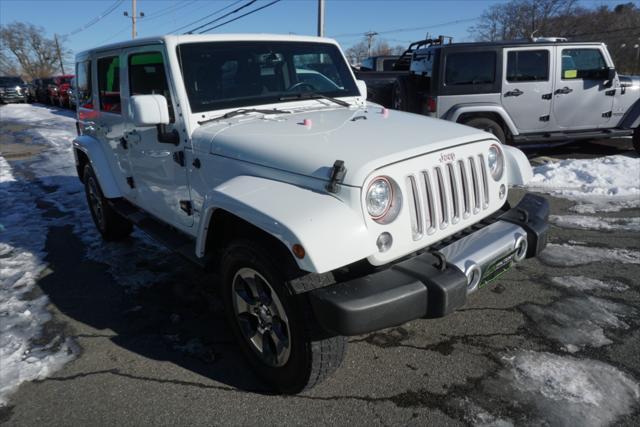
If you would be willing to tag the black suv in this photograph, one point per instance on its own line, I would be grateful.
(13, 89)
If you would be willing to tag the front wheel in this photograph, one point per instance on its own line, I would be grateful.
(111, 225)
(487, 125)
(274, 327)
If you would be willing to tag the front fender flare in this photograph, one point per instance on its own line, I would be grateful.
(519, 170)
(332, 234)
(457, 110)
(92, 148)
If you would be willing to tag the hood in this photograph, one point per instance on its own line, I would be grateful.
(365, 139)
(627, 81)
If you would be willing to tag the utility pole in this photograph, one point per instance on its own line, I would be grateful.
(370, 35)
(55, 37)
(320, 18)
(134, 18)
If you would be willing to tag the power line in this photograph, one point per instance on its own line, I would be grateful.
(222, 17)
(205, 17)
(241, 16)
(404, 30)
(97, 19)
(168, 10)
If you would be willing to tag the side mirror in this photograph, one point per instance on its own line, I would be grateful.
(611, 73)
(362, 87)
(153, 110)
(149, 110)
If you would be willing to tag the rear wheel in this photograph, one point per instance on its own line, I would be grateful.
(403, 96)
(636, 140)
(111, 225)
(487, 125)
(274, 327)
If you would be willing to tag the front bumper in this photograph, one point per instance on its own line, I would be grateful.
(435, 283)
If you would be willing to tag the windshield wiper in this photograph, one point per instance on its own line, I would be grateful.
(315, 95)
(241, 111)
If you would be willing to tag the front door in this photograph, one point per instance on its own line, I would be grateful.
(581, 99)
(159, 176)
(527, 86)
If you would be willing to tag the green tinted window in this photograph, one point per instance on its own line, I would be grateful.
(109, 84)
(147, 76)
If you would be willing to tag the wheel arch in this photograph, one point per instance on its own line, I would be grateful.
(87, 150)
(331, 233)
(462, 112)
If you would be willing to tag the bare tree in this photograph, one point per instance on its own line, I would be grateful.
(381, 47)
(34, 53)
(518, 19)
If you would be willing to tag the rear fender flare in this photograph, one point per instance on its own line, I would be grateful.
(456, 111)
(332, 234)
(92, 148)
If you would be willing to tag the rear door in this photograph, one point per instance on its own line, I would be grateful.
(581, 99)
(159, 173)
(527, 86)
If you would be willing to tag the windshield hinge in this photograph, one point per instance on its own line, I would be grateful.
(337, 175)
(178, 157)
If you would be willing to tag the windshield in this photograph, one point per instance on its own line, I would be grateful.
(11, 81)
(64, 80)
(239, 74)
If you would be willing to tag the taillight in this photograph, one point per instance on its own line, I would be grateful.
(432, 104)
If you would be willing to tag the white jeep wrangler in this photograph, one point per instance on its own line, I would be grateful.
(327, 216)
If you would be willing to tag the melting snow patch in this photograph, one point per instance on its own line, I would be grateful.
(578, 322)
(603, 184)
(565, 390)
(596, 223)
(582, 283)
(22, 238)
(570, 256)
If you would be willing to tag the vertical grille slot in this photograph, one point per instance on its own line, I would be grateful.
(431, 220)
(466, 196)
(443, 199)
(455, 194)
(475, 185)
(485, 182)
(415, 209)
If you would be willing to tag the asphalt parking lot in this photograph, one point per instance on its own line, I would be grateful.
(553, 341)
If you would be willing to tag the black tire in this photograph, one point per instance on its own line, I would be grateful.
(109, 223)
(403, 96)
(312, 356)
(487, 125)
(636, 140)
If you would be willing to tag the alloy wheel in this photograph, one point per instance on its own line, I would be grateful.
(95, 202)
(261, 317)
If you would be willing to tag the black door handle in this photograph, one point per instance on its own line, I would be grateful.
(515, 92)
(565, 90)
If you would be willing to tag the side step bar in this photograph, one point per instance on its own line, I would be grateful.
(568, 136)
(168, 236)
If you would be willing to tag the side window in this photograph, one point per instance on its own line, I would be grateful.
(109, 84)
(83, 83)
(147, 76)
(528, 66)
(470, 68)
(387, 64)
(585, 64)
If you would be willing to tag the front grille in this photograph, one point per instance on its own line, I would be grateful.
(446, 194)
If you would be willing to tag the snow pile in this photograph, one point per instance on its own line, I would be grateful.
(581, 222)
(565, 255)
(603, 184)
(578, 322)
(582, 283)
(22, 237)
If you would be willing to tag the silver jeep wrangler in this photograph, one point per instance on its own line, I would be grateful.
(325, 215)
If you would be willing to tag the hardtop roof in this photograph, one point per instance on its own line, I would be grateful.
(509, 43)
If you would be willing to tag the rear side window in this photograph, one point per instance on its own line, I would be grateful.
(387, 64)
(83, 83)
(583, 64)
(470, 68)
(109, 84)
(147, 76)
(528, 66)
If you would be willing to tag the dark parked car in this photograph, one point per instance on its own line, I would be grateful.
(58, 90)
(12, 89)
(41, 89)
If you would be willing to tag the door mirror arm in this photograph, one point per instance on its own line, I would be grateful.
(167, 136)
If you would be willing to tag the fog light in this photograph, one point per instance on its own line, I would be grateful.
(384, 242)
(503, 191)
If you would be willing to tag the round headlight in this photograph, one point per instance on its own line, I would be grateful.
(495, 159)
(379, 197)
